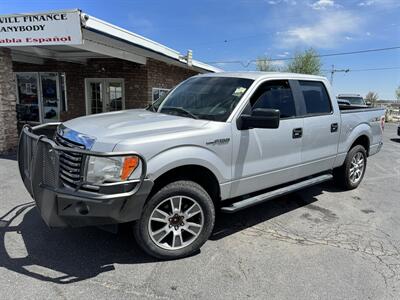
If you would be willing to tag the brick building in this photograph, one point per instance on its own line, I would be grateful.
(74, 65)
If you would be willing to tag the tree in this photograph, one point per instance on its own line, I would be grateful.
(398, 93)
(372, 97)
(265, 64)
(307, 62)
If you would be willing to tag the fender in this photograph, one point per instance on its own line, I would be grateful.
(348, 137)
(188, 155)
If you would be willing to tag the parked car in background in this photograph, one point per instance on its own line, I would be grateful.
(218, 141)
(353, 99)
(343, 101)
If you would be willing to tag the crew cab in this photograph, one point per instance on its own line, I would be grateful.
(223, 141)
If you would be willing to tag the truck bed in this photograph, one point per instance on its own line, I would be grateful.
(357, 121)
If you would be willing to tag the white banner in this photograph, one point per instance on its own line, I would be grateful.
(53, 28)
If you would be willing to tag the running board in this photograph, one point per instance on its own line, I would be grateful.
(234, 207)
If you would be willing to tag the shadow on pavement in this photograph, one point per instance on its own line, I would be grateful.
(396, 140)
(70, 255)
(9, 156)
(227, 224)
(63, 255)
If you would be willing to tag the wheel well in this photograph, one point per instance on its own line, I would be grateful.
(201, 175)
(362, 140)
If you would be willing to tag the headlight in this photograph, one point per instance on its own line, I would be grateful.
(110, 169)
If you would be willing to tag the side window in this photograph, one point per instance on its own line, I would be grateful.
(275, 94)
(315, 97)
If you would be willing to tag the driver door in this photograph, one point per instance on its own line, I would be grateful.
(263, 158)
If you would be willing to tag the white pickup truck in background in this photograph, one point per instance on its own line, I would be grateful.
(217, 141)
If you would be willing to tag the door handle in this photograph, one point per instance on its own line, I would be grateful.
(334, 127)
(297, 133)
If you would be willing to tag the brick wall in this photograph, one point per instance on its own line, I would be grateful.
(8, 116)
(133, 74)
(139, 79)
(162, 75)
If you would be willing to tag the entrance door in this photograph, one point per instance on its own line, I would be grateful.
(103, 95)
(50, 97)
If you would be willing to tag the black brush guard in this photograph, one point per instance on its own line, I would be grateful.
(61, 205)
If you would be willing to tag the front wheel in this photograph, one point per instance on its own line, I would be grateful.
(176, 221)
(352, 172)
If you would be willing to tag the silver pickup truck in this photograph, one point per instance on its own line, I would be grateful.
(222, 141)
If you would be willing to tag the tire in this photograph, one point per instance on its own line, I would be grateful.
(165, 234)
(344, 175)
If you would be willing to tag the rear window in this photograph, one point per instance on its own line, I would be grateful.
(316, 97)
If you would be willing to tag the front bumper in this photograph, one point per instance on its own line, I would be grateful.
(61, 205)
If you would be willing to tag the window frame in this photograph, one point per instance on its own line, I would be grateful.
(153, 89)
(302, 101)
(293, 90)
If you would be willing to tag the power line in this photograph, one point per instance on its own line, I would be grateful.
(333, 71)
(247, 63)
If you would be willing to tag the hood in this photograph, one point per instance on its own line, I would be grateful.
(114, 127)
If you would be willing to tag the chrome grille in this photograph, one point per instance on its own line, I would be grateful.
(70, 163)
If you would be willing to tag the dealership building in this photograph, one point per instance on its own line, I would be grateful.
(59, 65)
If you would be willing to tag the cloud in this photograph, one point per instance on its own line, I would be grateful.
(284, 54)
(382, 3)
(275, 2)
(366, 3)
(329, 30)
(323, 4)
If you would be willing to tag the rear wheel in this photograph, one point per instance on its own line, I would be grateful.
(176, 221)
(351, 173)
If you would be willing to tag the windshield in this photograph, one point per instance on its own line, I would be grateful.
(354, 100)
(209, 98)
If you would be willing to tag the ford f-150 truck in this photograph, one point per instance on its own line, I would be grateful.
(222, 141)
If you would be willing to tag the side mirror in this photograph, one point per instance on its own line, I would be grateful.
(259, 118)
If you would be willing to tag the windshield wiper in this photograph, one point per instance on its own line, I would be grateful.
(180, 109)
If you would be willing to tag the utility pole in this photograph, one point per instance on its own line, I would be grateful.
(333, 71)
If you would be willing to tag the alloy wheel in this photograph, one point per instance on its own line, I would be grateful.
(176, 222)
(356, 167)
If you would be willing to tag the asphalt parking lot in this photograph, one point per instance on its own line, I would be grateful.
(317, 243)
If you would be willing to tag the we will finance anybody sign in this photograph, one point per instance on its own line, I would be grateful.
(60, 28)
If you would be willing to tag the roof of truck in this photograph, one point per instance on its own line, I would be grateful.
(257, 75)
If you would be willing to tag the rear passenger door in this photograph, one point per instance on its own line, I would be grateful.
(267, 157)
(321, 128)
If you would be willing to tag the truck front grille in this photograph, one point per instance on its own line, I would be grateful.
(70, 163)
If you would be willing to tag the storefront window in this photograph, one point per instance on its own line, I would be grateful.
(41, 96)
(28, 106)
(158, 93)
(50, 97)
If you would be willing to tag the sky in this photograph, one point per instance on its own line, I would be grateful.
(226, 31)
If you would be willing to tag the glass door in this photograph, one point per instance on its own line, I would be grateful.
(115, 94)
(94, 96)
(28, 109)
(103, 95)
(50, 97)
